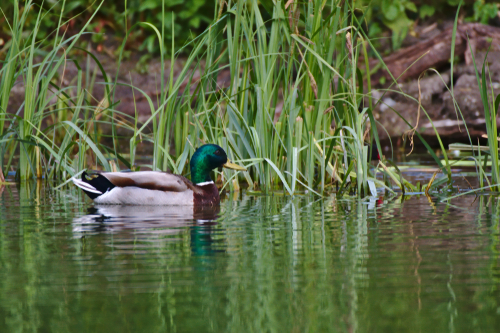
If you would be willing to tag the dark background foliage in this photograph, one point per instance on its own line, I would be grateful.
(190, 17)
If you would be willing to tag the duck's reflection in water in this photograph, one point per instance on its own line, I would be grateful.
(113, 218)
(151, 224)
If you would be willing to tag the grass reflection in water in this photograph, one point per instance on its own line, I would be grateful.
(259, 264)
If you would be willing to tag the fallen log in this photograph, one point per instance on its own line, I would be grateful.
(436, 51)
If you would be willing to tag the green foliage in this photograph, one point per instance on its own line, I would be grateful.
(395, 18)
(33, 63)
(490, 107)
(191, 17)
(276, 115)
(426, 11)
(483, 12)
(399, 15)
(296, 109)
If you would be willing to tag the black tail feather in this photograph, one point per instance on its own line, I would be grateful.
(99, 182)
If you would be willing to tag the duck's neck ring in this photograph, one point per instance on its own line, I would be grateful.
(204, 183)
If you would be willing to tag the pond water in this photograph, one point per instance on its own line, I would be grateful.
(260, 264)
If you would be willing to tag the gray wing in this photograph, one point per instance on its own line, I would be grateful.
(151, 180)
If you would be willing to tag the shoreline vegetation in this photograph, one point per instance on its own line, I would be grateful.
(298, 112)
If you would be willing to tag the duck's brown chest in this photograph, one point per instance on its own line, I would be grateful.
(208, 195)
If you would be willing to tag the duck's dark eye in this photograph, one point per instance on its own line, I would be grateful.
(217, 152)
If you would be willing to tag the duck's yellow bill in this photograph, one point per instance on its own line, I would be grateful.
(231, 165)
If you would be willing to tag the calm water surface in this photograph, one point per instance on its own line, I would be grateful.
(260, 264)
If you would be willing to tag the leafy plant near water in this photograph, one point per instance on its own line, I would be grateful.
(400, 16)
(284, 63)
(490, 106)
(34, 64)
(295, 110)
(192, 16)
(284, 94)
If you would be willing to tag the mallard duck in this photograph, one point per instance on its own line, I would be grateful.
(160, 188)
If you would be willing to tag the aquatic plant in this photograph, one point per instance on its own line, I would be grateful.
(291, 77)
(297, 108)
(33, 63)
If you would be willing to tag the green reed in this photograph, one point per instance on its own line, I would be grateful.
(480, 154)
(490, 107)
(291, 78)
(35, 64)
(296, 107)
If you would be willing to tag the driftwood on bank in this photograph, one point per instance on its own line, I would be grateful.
(436, 51)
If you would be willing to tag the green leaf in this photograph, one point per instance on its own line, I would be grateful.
(410, 6)
(148, 4)
(282, 177)
(426, 11)
(390, 10)
(374, 30)
(91, 144)
(399, 28)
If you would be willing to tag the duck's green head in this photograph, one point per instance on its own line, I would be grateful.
(205, 159)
